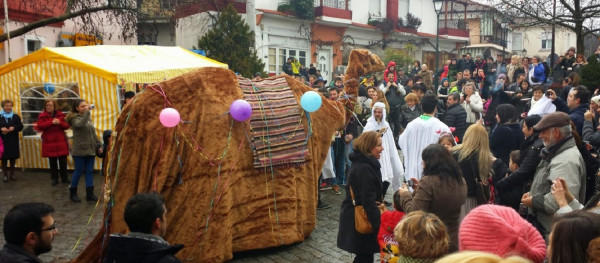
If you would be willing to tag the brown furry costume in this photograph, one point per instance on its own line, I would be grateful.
(214, 216)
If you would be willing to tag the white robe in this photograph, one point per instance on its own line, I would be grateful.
(541, 107)
(392, 169)
(327, 170)
(419, 134)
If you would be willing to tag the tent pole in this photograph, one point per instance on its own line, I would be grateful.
(7, 50)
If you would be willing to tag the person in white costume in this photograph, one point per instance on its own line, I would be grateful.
(420, 133)
(391, 166)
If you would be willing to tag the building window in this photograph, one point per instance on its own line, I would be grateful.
(517, 41)
(33, 45)
(33, 96)
(278, 57)
(546, 40)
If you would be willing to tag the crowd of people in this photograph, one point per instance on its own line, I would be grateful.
(498, 162)
(503, 146)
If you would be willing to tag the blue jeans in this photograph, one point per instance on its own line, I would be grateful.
(83, 164)
(339, 160)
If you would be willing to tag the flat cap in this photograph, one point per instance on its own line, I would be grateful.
(555, 119)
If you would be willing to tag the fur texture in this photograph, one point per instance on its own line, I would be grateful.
(250, 209)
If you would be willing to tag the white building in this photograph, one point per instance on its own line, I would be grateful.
(339, 26)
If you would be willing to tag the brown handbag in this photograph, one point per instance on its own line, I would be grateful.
(361, 222)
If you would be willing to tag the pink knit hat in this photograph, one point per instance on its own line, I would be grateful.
(500, 230)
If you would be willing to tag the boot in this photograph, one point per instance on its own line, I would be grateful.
(5, 173)
(12, 174)
(54, 178)
(73, 194)
(89, 194)
(64, 179)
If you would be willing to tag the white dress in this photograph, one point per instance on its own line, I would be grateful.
(419, 133)
(392, 169)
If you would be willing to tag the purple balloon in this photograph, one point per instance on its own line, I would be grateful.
(240, 110)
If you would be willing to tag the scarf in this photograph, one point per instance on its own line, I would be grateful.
(7, 115)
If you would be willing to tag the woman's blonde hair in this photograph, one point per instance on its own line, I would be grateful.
(480, 257)
(517, 58)
(366, 141)
(381, 98)
(422, 235)
(476, 140)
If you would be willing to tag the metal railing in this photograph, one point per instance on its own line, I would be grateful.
(339, 4)
(456, 24)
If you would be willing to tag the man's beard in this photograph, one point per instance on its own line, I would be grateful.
(42, 247)
(551, 142)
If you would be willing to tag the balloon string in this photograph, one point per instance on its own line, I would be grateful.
(162, 93)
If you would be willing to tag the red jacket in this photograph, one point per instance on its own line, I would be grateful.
(54, 140)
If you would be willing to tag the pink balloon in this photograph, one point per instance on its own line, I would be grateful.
(169, 117)
(240, 110)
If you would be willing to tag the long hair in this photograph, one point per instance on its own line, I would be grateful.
(381, 98)
(422, 235)
(439, 161)
(571, 235)
(476, 141)
(75, 105)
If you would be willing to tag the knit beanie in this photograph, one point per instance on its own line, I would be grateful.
(502, 231)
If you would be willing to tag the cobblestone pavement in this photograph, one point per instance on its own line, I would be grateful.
(75, 231)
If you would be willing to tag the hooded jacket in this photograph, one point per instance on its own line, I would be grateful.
(387, 70)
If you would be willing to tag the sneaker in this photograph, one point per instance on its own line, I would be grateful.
(336, 190)
(324, 186)
(321, 205)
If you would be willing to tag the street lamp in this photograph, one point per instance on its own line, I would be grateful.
(437, 4)
(504, 25)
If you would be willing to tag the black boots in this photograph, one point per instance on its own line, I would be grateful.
(89, 194)
(54, 181)
(73, 194)
(64, 179)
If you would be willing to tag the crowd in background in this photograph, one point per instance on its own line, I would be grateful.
(486, 158)
(498, 145)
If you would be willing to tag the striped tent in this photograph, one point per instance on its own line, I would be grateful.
(98, 74)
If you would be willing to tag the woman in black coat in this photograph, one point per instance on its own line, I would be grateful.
(10, 126)
(365, 181)
(507, 136)
(511, 188)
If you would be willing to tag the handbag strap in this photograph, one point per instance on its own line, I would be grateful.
(352, 195)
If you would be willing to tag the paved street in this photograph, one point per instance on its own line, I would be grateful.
(72, 221)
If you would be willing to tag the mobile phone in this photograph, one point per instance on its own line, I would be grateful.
(410, 183)
(548, 94)
(92, 106)
(523, 209)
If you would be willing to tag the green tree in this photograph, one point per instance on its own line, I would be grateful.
(403, 60)
(229, 41)
(590, 74)
(303, 9)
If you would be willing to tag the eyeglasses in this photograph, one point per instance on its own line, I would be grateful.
(52, 228)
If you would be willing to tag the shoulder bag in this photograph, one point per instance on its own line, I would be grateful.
(361, 222)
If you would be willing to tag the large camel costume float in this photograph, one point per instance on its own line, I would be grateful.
(218, 200)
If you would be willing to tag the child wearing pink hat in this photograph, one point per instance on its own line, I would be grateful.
(502, 231)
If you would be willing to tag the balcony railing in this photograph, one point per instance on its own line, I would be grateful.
(457, 28)
(337, 4)
(492, 40)
(333, 8)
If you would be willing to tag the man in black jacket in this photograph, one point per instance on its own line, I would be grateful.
(29, 231)
(146, 217)
(456, 116)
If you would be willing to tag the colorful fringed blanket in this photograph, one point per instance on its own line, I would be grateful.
(277, 133)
